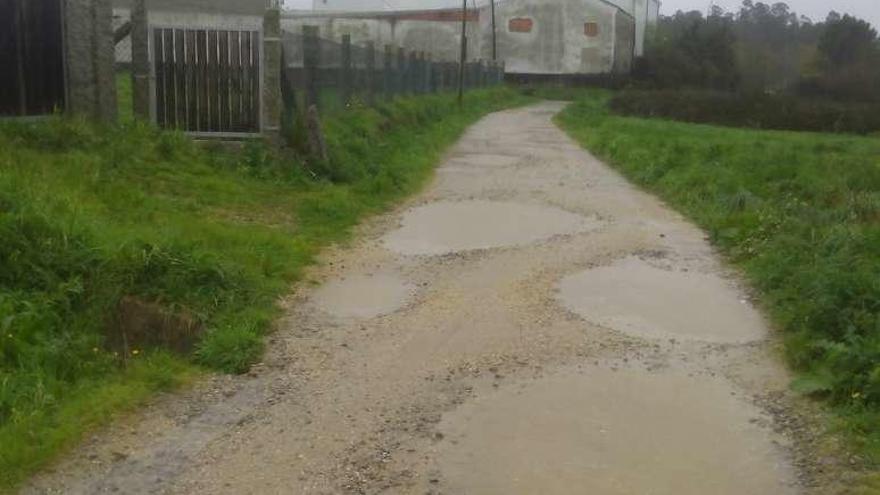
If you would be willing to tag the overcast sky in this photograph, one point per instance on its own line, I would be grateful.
(814, 9)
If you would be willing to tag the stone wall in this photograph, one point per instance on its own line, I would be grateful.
(91, 80)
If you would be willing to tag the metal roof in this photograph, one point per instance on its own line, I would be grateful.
(233, 7)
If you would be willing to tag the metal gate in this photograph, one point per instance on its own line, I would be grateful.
(31, 57)
(207, 80)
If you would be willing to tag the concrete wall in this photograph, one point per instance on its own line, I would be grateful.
(91, 79)
(558, 42)
(624, 27)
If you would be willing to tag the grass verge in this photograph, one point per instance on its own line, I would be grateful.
(798, 212)
(92, 215)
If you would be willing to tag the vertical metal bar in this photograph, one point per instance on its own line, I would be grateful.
(192, 99)
(180, 79)
(212, 82)
(19, 47)
(235, 76)
(203, 111)
(256, 80)
(159, 64)
(224, 80)
(170, 95)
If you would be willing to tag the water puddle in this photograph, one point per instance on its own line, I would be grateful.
(611, 433)
(634, 297)
(447, 227)
(363, 296)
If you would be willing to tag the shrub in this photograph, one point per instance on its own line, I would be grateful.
(759, 111)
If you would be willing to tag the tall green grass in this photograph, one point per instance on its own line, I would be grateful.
(90, 214)
(799, 212)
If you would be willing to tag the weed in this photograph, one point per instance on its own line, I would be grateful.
(90, 215)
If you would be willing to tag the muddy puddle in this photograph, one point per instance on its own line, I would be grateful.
(448, 227)
(635, 297)
(600, 431)
(363, 296)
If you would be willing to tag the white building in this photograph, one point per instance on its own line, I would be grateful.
(645, 12)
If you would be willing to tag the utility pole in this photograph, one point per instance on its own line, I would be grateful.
(463, 51)
(494, 37)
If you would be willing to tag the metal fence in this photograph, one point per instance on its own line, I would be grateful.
(207, 80)
(31, 57)
(334, 75)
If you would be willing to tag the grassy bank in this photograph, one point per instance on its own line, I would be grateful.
(93, 216)
(798, 212)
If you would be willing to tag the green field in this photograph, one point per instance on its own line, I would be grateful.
(798, 212)
(91, 215)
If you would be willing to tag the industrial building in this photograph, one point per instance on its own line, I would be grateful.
(615, 27)
(532, 37)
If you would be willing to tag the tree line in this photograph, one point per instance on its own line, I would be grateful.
(764, 48)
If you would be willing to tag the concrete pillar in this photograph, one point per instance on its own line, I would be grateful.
(141, 70)
(272, 72)
(91, 77)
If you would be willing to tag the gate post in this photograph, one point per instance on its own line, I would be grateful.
(388, 72)
(91, 85)
(345, 82)
(271, 105)
(401, 71)
(411, 73)
(311, 57)
(141, 72)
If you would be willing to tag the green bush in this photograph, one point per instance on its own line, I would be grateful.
(760, 111)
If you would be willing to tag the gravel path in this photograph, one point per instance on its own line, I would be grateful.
(531, 323)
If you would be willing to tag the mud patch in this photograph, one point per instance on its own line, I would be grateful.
(363, 296)
(635, 297)
(447, 227)
(612, 432)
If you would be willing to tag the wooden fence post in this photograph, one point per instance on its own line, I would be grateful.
(412, 72)
(370, 80)
(311, 59)
(430, 75)
(388, 72)
(400, 85)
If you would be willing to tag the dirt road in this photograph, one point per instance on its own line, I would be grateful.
(530, 324)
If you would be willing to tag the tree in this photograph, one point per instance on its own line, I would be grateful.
(846, 40)
(691, 50)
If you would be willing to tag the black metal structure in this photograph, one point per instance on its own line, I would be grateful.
(32, 75)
